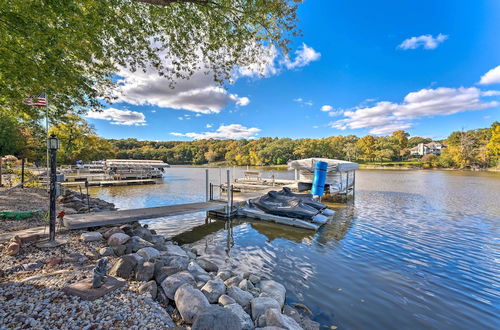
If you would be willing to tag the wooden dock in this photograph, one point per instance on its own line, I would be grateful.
(78, 221)
(109, 183)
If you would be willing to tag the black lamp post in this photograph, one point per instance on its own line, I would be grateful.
(53, 144)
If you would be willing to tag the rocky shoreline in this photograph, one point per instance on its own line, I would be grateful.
(167, 286)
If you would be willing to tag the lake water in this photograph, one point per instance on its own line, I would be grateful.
(416, 249)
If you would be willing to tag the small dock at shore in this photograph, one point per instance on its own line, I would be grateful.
(108, 183)
(87, 220)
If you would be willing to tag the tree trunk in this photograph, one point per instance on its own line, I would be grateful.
(1, 171)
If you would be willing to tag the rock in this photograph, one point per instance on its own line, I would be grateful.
(33, 265)
(119, 250)
(213, 289)
(276, 319)
(216, 317)
(157, 239)
(145, 271)
(137, 258)
(148, 253)
(235, 280)
(175, 250)
(226, 300)
(53, 261)
(303, 308)
(127, 229)
(223, 275)
(91, 236)
(173, 282)
(245, 320)
(269, 328)
(108, 251)
(124, 267)
(241, 297)
(13, 249)
(165, 271)
(261, 321)
(195, 269)
(162, 298)
(176, 261)
(191, 255)
(118, 238)
(274, 290)
(261, 304)
(254, 278)
(189, 301)
(204, 278)
(207, 265)
(246, 285)
(112, 231)
(136, 243)
(305, 322)
(143, 233)
(150, 287)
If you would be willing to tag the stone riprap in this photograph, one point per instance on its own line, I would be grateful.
(177, 283)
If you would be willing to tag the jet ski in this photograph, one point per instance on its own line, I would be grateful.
(306, 199)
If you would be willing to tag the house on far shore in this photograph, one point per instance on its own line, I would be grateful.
(422, 149)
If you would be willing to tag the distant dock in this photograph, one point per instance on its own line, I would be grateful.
(108, 183)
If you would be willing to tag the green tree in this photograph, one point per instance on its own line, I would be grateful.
(71, 49)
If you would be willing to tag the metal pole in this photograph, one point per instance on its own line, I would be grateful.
(354, 185)
(22, 172)
(88, 198)
(207, 197)
(228, 192)
(47, 134)
(52, 223)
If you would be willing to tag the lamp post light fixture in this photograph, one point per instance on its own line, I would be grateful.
(53, 144)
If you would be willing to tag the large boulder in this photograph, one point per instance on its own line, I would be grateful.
(226, 300)
(107, 234)
(303, 320)
(91, 236)
(245, 320)
(118, 238)
(136, 243)
(224, 275)
(176, 261)
(106, 252)
(175, 250)
(195, 269)
(235, 280)
(148, 253)
(190, 302)
(124, 267)
(246, 285)
(173, 282)
(274, 290)
(241, 297)
(143, 233)
(261, 304)
(145, 271)
(216, 317)
(207, 265)
(119, 250)
(213, 289)
(150, 287)
(274, 318)
(254, 278)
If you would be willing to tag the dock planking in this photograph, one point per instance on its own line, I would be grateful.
(110, 182)
(87, 220)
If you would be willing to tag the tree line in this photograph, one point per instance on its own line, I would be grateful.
(478, 148)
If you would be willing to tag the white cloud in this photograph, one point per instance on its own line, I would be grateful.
(303, 102)
(426, 41)
(208, 126)
(491, 77)
(385, 117)
(303, 56)
(119, 117)
(224, 132)
(199, 94)
(326, 108)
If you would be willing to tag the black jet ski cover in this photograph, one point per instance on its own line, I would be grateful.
(305, 198)
(287, 207)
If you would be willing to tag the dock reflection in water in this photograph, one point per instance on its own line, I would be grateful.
(418, 249)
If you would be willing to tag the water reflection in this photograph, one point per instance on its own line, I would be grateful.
(417, 249)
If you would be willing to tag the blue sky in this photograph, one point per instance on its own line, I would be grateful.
(361, 67)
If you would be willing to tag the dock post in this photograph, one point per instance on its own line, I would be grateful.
(207, 197)
(354, 185)
(228, 193)
(296, 175)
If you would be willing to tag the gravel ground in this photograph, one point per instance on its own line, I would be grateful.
(31, 296)
(28, 199)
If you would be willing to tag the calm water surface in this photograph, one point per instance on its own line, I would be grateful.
(416, 249)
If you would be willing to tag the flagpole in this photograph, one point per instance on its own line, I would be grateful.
(47, 137)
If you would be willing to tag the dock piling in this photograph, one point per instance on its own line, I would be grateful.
(207, 193)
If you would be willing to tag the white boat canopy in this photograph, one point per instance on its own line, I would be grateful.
(334, 165)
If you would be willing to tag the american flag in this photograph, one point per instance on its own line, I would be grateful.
(39, 101)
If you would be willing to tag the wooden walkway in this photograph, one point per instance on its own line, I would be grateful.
(86, 220)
